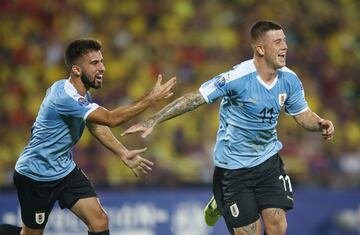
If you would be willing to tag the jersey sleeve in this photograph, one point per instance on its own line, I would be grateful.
(76, 106)
(218, 86)
(296, 102)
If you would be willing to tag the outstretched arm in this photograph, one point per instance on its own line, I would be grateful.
(120, 115)
(131, 158)
(312, 122)
(181, 105)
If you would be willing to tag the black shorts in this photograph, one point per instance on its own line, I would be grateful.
(37, 198)
(242, 194)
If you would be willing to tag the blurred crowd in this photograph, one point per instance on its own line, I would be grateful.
(193, 40)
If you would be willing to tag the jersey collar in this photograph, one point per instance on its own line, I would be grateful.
(70, 89)
(267, 86)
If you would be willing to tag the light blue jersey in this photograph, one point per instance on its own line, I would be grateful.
(249, 113)
(58, 126)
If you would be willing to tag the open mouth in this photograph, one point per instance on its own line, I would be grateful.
(99, 77)
(282, 58)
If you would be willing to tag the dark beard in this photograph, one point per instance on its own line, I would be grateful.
(87, 81)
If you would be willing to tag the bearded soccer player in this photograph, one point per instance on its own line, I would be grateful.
(46, 172)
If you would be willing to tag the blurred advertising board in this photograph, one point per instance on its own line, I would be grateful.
(180, 212)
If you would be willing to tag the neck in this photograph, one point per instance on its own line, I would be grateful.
(266, 73)
(78, 84)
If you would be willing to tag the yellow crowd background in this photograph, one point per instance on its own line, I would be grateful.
(193, 40)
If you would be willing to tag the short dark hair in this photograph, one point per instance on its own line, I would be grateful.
(261, 27)
(78, 48)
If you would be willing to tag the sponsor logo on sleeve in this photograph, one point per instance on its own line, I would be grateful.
(220, 82)
(83, 102)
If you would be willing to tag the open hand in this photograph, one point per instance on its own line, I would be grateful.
(141, 127)
(164, 91)
(136, 163)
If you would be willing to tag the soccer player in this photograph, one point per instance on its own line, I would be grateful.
(46, 172)
(249, 180)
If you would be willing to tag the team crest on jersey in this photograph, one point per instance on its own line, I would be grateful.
(40, 217)
(83, 102)
(220, 82)
(234, 210)
(282, 98)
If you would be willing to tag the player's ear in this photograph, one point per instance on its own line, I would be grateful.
(260, 50)
(76, 70)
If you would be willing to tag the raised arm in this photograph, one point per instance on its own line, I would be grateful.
(131, 158)
(181, 105)
(312, 122)
(120, 115)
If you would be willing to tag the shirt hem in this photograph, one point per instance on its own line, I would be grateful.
(41, 179)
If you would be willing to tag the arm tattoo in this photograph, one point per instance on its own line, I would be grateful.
(181, 105)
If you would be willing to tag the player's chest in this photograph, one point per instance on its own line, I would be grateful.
(260, 100)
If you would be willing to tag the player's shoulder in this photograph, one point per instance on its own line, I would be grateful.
(55, 89)
(71, 95)
(287, 73)
(63, 91)
(242, 70)
(289, 78)
(57, 86)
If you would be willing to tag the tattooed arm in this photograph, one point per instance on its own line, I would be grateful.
(181, 105)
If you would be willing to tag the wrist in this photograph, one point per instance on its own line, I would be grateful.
(150, 123)
(319, 122)
(123, 154)
(149, 99)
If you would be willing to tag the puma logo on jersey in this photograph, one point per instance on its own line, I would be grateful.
(252, 100)
(220, 82)
(83, 102)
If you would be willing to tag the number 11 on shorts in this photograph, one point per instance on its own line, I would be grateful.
(285, 180)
